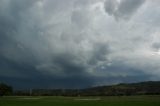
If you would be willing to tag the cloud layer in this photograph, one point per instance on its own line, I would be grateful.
(122, 8)
(78, 43)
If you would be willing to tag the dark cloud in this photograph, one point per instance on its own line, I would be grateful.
(122, 9)
(49, 82)
(111, 6)
(26, 56)
(59, 43)
(99, 53)
(22, 75)
(156, 45)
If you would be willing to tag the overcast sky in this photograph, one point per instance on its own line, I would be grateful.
(78, 43)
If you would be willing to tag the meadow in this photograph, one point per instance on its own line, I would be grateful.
(80, 101)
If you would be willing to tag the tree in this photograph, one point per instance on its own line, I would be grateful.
(5, 89)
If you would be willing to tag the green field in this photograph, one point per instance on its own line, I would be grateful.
(81, 101)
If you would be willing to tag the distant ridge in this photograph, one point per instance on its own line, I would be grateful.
(122, 89)
(140, 88)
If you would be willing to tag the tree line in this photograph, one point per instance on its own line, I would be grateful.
(142, 88)
(5, 89)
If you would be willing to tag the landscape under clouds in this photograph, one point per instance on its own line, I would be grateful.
(78, 43)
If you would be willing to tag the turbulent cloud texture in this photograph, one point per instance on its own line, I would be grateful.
(122, 8)
(78, 43)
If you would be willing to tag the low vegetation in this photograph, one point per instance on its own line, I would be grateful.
(5, 89)
(80, 101)
(143, 88)
(135, 94)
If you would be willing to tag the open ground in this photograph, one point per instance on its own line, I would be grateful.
(80, 101)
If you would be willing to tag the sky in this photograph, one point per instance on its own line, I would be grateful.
(78, 43)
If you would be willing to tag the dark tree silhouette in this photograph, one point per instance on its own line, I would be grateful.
(5, 89)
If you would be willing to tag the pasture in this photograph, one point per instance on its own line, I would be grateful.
(80, 101)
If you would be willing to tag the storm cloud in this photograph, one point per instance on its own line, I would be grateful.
(78, 43)
(122, 9)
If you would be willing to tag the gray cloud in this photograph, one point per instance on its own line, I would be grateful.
(122, 9)
(156, 45)
(99, 53)
(59, 43)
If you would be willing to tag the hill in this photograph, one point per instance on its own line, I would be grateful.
(142, 88)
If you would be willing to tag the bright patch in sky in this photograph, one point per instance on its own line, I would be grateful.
(156, 52)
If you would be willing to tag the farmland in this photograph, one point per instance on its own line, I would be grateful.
(80, 101)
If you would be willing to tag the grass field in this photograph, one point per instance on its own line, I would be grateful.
(81, 101)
